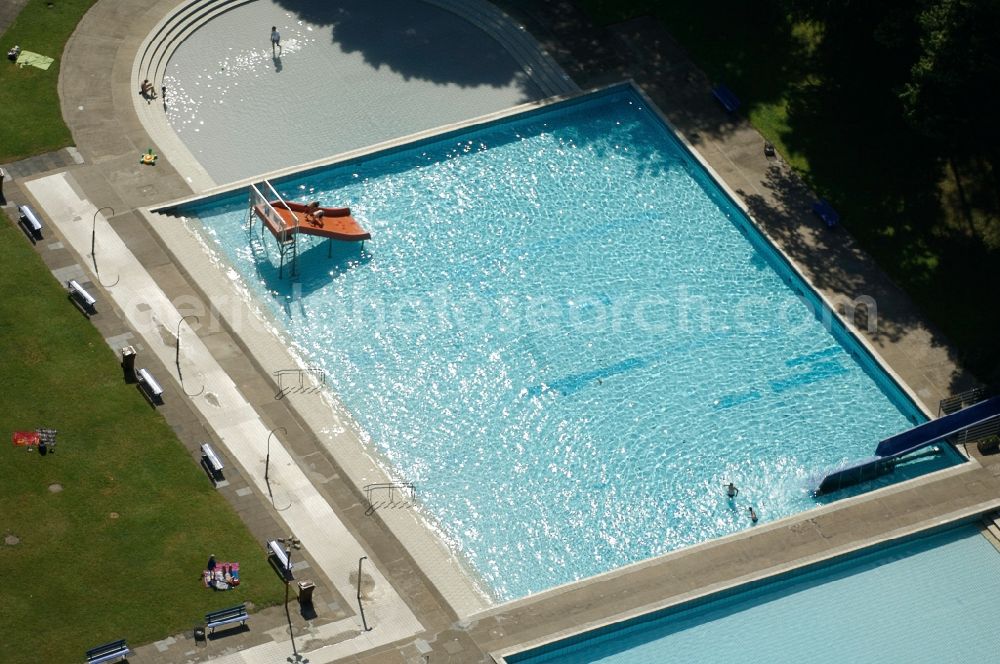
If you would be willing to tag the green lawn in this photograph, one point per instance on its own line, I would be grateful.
(117, 553)
(30, 116)
(838, 121)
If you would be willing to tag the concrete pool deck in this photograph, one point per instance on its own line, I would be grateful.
(98, 106)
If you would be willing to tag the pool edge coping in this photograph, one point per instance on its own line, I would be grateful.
(467, 571)
(765, 575)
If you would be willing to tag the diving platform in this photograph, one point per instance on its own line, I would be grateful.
(892, 448)
(286, 220)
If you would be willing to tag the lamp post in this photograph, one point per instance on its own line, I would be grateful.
(361, 607)
(177, 355)
(267, 458)
(93, 233)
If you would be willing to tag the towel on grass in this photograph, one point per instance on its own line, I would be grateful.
(34, 59)
(26, 438)
(210, 578)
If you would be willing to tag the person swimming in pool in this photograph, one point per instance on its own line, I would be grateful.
(753, 515)
(732, 491)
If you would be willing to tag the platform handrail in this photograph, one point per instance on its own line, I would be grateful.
(258, 200)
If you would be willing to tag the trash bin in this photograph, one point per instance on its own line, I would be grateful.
(306, 592)
(128, 364)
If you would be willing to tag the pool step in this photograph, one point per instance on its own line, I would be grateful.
(534, 60)
(178, 25)
(991, 529)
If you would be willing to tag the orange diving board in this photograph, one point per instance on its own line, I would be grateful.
(335, 223)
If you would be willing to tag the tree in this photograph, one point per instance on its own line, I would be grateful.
(957, 72)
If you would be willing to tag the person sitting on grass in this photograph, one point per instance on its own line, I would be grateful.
(314, 214)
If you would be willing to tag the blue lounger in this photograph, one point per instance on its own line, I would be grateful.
(727, 98)
(825, 211)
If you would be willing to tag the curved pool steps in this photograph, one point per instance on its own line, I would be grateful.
(537, 64)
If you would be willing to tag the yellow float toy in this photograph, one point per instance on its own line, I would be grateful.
(149, 159)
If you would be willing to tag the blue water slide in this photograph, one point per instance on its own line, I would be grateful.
(909, 441)
(939, 429)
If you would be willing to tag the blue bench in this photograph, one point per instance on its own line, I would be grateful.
(727, 98)
(234, 614)
(825, 211)
(109, 652)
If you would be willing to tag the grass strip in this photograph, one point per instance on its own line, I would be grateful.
(118, 551)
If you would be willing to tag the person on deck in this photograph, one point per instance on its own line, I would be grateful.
(275, 42)
(314, 214)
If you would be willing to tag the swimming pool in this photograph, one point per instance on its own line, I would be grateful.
(570, 339)
(914, 601)
(350, 74)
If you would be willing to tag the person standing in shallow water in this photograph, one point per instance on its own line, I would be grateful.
(275, 41)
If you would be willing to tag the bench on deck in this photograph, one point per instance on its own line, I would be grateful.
(211, 460)
(234, 614)
(727, 98)
(80, 294)
(276, 553)
(109, 652)
(825, 211)
(150, 385)
(30, 222)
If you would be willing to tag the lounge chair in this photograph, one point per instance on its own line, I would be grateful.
(727, 98)
(825, 211)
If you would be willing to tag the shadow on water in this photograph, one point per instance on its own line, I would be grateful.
(277, 64)
(416, 40)
(316, 269)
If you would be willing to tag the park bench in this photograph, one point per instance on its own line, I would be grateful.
(80, 294)
(30, 222)
(825, 211)
(727, 98)
(109, 652)
(150, 385)
(233, 614)
(211, 461)
(277, 555)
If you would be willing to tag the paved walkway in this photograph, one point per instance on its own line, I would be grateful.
(97, 102)
(9, 10)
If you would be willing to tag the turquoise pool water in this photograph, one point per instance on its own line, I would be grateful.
(926, 600)
(569, 339)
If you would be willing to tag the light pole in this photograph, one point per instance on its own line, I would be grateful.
(361, 607)
(267, 458)
(177, 356)
(93, 231)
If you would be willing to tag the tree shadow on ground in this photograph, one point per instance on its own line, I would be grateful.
(885, 179)
(834, 262)
(838, 88)
(417, 40)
